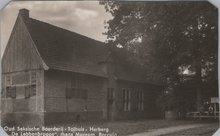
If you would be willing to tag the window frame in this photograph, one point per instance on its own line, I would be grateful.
(140, 100)
(126, 99)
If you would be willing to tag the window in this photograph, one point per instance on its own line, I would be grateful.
(76, 93)
(33, 90)
(110, 94)
(127, 99)
(140, 100)
(21, 85)
(76, 90)
(10, 91)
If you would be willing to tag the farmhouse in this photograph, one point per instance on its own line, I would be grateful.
(52, 75)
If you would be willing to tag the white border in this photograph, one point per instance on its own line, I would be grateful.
(216, 3)
(3, 3)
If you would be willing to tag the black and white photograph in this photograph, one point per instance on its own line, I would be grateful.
(109, 68)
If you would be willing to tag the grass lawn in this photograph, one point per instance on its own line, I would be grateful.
(131, 127)
(201, 131)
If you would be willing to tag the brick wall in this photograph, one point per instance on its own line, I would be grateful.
(56, 83)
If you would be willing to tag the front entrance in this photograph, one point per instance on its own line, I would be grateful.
(110, 103)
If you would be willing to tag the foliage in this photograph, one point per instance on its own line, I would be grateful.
(164, 30)
(167, 37)
(167, 101)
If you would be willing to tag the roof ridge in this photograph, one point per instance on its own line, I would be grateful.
(58, 27)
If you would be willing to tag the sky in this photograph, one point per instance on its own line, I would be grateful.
(83, 17)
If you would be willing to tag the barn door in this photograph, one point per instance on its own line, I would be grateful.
(110, 103)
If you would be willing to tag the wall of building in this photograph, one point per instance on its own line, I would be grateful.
(150, 93)
(95, 107)
(20, 57)
(20, 110)
(57, 104)
(20, 53)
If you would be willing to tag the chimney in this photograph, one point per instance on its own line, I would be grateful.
(24, 13)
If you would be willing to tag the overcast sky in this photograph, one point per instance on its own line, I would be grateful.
(84, 17)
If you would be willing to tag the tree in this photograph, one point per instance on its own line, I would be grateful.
(167, 37)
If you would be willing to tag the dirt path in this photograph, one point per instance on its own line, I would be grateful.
(163, 131)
